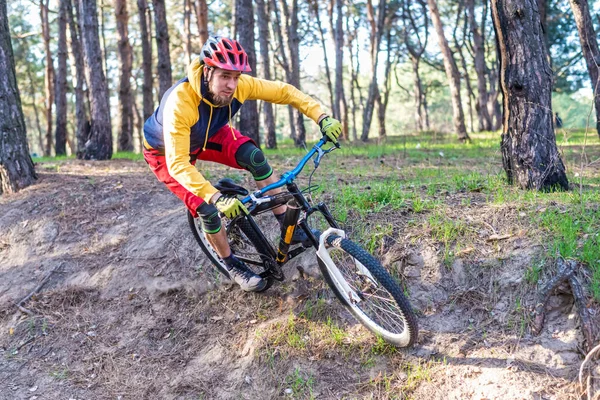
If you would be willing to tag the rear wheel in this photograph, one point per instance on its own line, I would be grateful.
(368, 291)
(238, 242)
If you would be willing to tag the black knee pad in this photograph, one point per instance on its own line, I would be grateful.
(251, 158)
(209, 217)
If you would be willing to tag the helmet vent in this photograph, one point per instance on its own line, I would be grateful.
(221, 58)
(227, 45)
(232, 57)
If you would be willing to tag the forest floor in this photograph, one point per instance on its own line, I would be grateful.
(132, 309)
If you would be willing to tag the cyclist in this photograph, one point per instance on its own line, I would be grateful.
(193, 121)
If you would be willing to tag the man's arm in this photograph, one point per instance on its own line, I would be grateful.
(250, 88)
(180, 114)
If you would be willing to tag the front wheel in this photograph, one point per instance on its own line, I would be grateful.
(367, 290)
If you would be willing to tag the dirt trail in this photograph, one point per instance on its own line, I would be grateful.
(134, 309)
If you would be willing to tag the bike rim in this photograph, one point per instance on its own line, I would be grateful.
(377, 307)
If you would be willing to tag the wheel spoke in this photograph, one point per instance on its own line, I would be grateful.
(377, 303)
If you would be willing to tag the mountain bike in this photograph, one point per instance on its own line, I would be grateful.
(357, 279)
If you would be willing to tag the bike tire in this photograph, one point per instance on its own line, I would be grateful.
(382, 307)
(212, 254)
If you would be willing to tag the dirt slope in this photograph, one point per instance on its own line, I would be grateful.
(133, 309)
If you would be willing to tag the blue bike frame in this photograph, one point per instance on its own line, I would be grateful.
(288, 177)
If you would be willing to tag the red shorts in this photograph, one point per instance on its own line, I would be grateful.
(220, 148)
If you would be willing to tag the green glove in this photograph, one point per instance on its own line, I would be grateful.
(231, 207)
(331, 127)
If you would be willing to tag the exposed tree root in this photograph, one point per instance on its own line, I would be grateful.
(566, 273)
(588, 386)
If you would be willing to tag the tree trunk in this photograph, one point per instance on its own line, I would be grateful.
(451, 72)
(187, 35)
(49, 80)
(340, 100)
(376, 32)
(283, 59)
(293, 42)
(78, 70)
(263, 41)
(316, 12)
(16, 167)
(103, 40)
(33, 94)
(417, 94)
(99, 144)
(162, 47)
(529, 153)
(147, 101)
(125, 142)
(352, 37)
(202, 19)
(245, 29)
(485, 121)
(589, 47)
(60, 135)
(384, 97)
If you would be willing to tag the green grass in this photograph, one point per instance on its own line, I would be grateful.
(428, 178)
(300, 384)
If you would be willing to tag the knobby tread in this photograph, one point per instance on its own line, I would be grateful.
(385, 279)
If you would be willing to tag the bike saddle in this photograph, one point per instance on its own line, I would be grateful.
(228, 186)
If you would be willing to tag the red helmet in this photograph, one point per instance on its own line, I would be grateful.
(225, 53)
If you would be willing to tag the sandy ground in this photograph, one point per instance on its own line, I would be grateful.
(134, 310)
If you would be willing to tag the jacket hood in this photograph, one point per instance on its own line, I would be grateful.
(194, 73)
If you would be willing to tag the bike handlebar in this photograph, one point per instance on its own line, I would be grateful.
(289, 176)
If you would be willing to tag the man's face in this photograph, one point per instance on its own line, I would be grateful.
(222, 85)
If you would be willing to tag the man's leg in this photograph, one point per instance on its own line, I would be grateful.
(272, 179)
(211, 223)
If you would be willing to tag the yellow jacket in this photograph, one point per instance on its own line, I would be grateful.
(186, 119)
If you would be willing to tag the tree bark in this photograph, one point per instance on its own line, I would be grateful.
(485, 121)
(163, 67)
(33, 94)
(314, 5)
(60, 135)
(384, 96)
(354, 71)
(78, 70)
(202, 20)
(376, 24)
(293, 43)
(99, 144)
(451, 72)
(245, 28)
(125, 142)
(416, 47)
(16, 166)
(529, 153)
(283, 59)
(263, 41)
(49, 79)
(589, 47)
(340, 100)
(147, 101)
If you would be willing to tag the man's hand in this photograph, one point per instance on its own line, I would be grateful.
(231, 207)
(331, 127)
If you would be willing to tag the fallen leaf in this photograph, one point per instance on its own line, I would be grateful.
(499, 237)
(216, 318)
(11, 331)
(464, 252)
